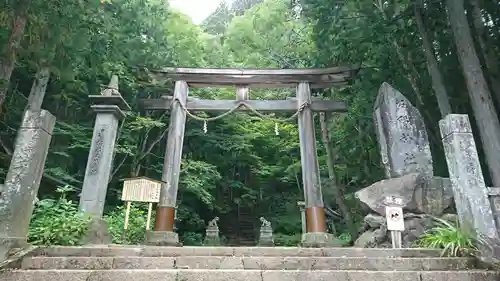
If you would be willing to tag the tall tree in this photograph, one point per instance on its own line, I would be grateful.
(432, 64)
(18, 11)
(239, 7)
(218, 21)
(479, 93)
(486, 48)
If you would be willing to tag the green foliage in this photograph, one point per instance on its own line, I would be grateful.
(57, 222)
(136, 229)
(285, 240)
(447, 236)
(192, 239)
(239, 169)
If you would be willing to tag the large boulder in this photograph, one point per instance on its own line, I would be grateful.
(421, 194)
(374, 233)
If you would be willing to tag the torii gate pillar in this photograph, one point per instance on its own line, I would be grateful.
(316, 235)
(164, 234)
(243, 79)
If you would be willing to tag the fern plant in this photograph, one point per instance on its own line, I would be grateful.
(448, 236)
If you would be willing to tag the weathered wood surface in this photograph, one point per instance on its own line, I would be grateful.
(259, 105)
(308, 153)
(242, 93)
(173, 152)
(256, 78)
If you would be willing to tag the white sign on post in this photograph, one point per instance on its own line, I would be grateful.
(140, 189)
(394, 217)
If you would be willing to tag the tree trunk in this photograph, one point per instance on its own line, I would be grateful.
(480, 96)
(432, 64)
(9, 55)
(38, 88)
(339, 196)
(490, 58)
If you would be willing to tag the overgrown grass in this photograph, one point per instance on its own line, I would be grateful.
(450, 238)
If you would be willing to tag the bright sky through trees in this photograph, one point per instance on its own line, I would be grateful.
(198, 10)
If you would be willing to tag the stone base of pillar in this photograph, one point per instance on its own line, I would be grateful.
(319, 240)
(9, 245)
(162, 238)
(97, 233)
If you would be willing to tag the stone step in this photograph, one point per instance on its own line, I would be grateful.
(118, 250)
(249, 263)
(245, 275)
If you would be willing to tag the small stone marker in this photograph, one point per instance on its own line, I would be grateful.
(395, 219)
(212, 233)
(266, 233)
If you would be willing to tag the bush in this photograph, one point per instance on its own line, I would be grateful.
(285, 240)
(450, 238)
(136, 229)
(192, 239)
(57, 222)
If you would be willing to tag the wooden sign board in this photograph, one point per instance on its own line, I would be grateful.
(141, 190)
(394, 217)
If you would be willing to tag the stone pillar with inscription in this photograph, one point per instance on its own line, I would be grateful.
(18, 194)
(469, 190)
(109, 106)
(402, 136)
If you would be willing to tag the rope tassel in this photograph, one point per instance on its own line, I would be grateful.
(276, 129)
(205, 127)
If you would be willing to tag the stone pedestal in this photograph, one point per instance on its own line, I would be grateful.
(97, 232)
(108, 106)
(162, 238)
(266, 234)
(19, 192)
(266, 238)
(212, 234)
(212, 238)
(318, 240)
(469, 190)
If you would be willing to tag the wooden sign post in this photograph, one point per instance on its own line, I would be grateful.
(395, 219)
(140, 189)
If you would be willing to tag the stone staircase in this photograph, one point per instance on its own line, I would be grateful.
(122, 263)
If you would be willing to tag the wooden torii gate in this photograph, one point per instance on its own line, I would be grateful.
(243, 79)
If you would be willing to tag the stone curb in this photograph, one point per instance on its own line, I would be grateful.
(103, 251)
(246, 275)
(248, 263)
